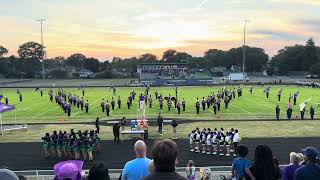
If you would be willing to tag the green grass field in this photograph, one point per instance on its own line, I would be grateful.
(36, 109)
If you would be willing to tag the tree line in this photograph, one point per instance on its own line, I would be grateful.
(28, 62)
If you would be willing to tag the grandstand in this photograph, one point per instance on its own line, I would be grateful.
(173, 73)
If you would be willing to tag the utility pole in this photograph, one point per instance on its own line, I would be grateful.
(244, 45)
(42, 54)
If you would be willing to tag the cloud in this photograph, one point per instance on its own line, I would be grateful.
(279, 35)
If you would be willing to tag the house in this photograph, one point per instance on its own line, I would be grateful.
(85, 73)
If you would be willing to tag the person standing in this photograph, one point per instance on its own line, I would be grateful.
(289, 170)
(198, 106)
(137, 169)
(97, 124)
(277, 112)
(295, 96)
(108, 108)
(87, 106)
(7, 100)
(279, 95)
(129, 102)
(311, 170)
(191, 170)
(161, 102)
(82, 92)
(160, 123)
(174, 125)
(178, 107)
(235, 141)
(203, 103)
(302, 113)
(214, 108)
(150, 101)
(69, 109)
(312, 112)
(123, 123)
(119, 102)
(112, 104)
(116, 132)
(20, 97)
(41, 93)
(183, 105)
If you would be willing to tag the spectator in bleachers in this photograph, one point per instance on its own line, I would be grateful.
(263, 167)
(71, 170)
(241, 165)
(191, 170)
(6, 174)
(137, 168)
(164, 155)
(311, 170)
(98, 172)
(288, 171)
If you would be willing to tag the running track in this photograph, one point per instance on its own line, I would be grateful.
(29, 156)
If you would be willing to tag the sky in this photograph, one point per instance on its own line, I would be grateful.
(124, 28)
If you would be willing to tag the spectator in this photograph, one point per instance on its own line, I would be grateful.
(137, 168)
(164, 155)
(6, 174)
(71, 170)
(191, 170)
(263, 167)
(311, 170)
(98, 172)
(276, 164)
(116, 132)
(301, 158)
(288, 171)
(241, 165)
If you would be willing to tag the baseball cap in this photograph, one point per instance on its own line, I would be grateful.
(311, 152)
(68, 169)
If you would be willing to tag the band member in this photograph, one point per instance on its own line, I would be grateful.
(214, 143)
(112, 104)
(226, 102)
(208, 102)
(160, 123)
(69, 109)
(289, 113)
(141, 101)
(41, 92)
(114, 90)
(302, 113)
(156, 94)
(214, 108)
(227, 143)
(133, 95)
(7, 100)
(183, 105)
(208, 141)
(198, 139)
(161, 102)
(81, 103)
(203, 140)
(20, 97)
(102, 105)
(251, 90)
(174, 125)
(235, 141)
(295, 96)
(169, 103)
(119, 102)
(78, 102)
(277, 112)
(267, 93)
(279, 95)
(128, 103)
(203, 103)
(108, 108)
(218, 104)
(197, 106)
(82, 92)
(192, 140)
(312, 112)
(87, 106)
(150, 101)
(176, 90)
(178, 107)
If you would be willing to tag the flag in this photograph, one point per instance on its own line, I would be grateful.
(304, 104)
(280, 91)
(1, 97)
(290, 101)
(37, 89)
(296, 94)
(266, 90)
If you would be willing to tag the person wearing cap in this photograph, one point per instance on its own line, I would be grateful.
(311, 170)
(68, 170)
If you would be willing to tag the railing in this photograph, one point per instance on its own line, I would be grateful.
(216, 173)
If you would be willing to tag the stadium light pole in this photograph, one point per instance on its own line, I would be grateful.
(244, 45)
(42, 54)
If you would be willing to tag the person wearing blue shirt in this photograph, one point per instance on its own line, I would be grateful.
(311, 170)
(241, 165)
(137, 168)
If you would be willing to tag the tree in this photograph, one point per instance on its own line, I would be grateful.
(147, 58)
(169, 55)
(76, 60)
(92, 64)
(3, 51)
(310, 55)
(315, 69)
(217, 57)
(31, 51)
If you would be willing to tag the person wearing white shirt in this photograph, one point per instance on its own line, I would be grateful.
(235, 141)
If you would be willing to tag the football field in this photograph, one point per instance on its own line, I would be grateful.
(37, 109)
